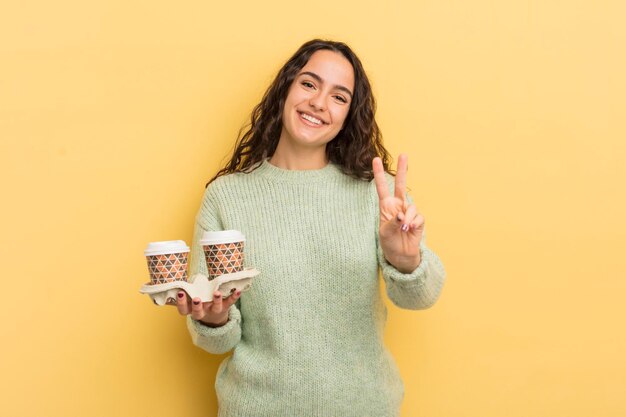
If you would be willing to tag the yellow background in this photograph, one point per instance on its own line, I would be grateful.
(113, 115)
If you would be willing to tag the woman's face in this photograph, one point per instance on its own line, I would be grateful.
(318, 100)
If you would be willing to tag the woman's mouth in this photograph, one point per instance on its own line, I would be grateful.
(311, 119)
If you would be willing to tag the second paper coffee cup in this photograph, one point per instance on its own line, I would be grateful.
(223, 251)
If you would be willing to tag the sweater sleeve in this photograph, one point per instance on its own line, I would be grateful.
(212, 339)
(416, 290)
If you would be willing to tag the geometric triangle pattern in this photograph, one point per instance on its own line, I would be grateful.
(168, 267)
(223, 258)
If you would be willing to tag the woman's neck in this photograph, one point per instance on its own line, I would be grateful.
(300, 161)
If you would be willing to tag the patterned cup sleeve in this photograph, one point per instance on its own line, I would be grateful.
(167, 267)
(223, 258)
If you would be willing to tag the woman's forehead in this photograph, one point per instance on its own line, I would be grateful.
(332, 67)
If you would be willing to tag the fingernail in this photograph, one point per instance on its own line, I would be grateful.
(181, 294)
(405, 227)
(238, 293)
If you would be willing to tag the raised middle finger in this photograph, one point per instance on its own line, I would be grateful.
(400, 187)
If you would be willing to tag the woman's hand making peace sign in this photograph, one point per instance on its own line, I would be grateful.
(401, 225)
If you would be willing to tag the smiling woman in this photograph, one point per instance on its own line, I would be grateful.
(307, 187)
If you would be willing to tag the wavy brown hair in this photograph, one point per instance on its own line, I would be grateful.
(354, 147)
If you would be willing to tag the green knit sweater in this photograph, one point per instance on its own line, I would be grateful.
(307, 338)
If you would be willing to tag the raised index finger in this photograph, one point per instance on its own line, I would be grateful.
(379, 178)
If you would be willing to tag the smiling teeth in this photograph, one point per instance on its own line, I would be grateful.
(311, 119)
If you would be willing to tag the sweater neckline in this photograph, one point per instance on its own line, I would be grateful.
(272, 172)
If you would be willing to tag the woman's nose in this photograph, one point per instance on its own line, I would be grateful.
(317, 101)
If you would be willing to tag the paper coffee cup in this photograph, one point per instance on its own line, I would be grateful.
(223, 251)
(167, 261)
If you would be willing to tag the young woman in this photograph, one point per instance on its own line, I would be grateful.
(307, 187)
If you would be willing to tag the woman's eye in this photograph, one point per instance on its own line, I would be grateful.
(340, 98)
(307, 84)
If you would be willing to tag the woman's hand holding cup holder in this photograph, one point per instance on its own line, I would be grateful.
(213, 313)
(223, 253)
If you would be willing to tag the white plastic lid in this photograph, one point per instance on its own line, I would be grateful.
(166, 246)
(222, 236)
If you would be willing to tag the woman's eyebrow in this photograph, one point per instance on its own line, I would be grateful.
(319, 79)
